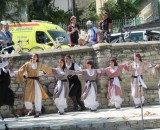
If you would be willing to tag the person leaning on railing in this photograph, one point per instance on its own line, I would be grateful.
(105, 26)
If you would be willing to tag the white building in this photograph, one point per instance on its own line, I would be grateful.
(63, 4)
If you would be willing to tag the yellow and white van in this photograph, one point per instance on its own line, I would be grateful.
(40, 35)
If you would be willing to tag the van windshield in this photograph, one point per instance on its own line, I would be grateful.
(55, 34)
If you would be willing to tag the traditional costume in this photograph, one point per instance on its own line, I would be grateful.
(6, 94)
(137, 82)
(89, 94)
(75, 88)
(157, 72)
(61, 90)
(34, 92)
(159, 90)
(3, 64)
(114, 87)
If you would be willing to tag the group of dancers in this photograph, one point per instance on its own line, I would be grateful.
(68, 84)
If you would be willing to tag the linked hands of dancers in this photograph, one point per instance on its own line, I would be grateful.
(128, 63)
(48, 75)
(9, 60)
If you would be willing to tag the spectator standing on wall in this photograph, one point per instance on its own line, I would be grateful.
(73, 31)
(105, 26)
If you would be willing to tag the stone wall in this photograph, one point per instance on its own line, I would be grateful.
(100, 54)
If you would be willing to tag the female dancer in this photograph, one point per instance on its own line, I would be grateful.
(114, 87)
(137, 82)
(157, 72)
(61, 90)
(89, 94)
(34, 92)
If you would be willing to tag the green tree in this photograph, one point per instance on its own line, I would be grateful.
(11, 9)
(91, 15)
(36, 9)
(120, 9)
(45, 10)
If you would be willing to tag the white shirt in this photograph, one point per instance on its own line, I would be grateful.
(3, 64)
(76, 67)
(92, 32)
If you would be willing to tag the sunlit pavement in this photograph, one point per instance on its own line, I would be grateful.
(127, 118)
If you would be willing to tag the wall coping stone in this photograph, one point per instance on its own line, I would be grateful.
(99, 46)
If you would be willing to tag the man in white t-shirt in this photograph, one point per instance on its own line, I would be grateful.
(91, 37)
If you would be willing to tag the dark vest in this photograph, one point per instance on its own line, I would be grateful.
(73, 77)
(72, 67)
(5, 78)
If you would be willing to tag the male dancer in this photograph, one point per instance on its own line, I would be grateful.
(74, 85)
(6, 94)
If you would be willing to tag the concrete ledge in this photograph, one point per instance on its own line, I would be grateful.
(104, 119)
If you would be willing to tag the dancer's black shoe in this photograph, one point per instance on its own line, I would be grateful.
(60, 113)
(36, 115)
(30, 113)
(93, 110)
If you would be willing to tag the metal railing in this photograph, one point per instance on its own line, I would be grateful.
(116, 24)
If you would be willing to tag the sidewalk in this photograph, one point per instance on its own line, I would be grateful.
(127, 118)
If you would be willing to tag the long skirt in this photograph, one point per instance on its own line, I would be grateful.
(90, 100)
(115, 96)
(136, 93)
(6, 95)
(60, 101)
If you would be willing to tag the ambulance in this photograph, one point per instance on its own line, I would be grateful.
(38, 35)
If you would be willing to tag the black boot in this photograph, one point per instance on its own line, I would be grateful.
(75, 108)
(81, 104)
(13, 111)
(37, 115)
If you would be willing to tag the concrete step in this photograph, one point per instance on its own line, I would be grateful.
(127, 118)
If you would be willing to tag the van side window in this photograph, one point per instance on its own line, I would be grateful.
(41, 37)
(136, 36)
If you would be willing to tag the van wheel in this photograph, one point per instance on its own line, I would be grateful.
(63, 46)
(36, 48)
(25, 50)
